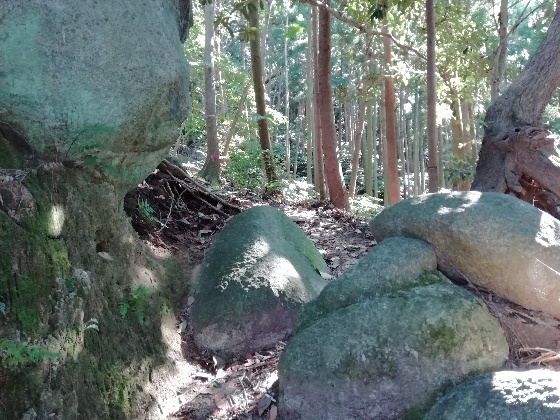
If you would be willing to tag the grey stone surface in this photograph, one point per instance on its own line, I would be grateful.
(393, 264)
(530, 395)
(104, 82)
(494, 240)
(259, 271)
(388, 357)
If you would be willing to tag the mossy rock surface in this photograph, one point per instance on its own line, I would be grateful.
(393, 264)
(529, 395)
(388, 357)
(259, 271)
(73, 258)
(493, 240)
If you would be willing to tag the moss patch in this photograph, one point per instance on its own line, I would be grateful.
(53, 287)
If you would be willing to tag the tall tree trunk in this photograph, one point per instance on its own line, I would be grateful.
(517, 154)
(474, 150)
(416, 148)
(319, 163)
(287, 97)
(357, 144)
(375, 161)
(240, 108)
(258, 86)
(432, 98)
(211, 169)
(337, 192)
(309, 114)
(392, 189)
(498, 68)
(370, 144)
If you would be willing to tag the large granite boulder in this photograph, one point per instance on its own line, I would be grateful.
(258, 272)
(388, 357)
(493, 240)
(391, 265)
(104, 83)
(91, 95)
(530, 395)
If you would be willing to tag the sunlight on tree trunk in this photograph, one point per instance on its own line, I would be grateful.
(392, 189)
(211, 169)
(432, 99)
(337, 192)
(258, 86)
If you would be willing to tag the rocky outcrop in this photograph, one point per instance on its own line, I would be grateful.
(394, 264)
(91, 95)
(259, 271)
(103, 83)
(389, 356)
(492, 240)
(529, 395)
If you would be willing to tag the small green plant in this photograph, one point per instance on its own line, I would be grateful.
(146, 212)
(136, 301)
(92, 324)
(459, 170)
(12, 353)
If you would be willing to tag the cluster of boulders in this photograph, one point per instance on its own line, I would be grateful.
(393, 337)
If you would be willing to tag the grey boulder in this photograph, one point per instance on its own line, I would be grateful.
(530, 395)
(391, 265)
(493, 240)
(259, 271)
(388, 357)
(66, 95)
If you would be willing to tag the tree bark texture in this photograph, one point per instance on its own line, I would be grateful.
(319, 164)
(337, 192)
(258, 86)
(392, 189)
(211, 169)
(517, 155)
(433, 183)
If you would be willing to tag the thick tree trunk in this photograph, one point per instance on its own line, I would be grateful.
(211, 169)
(337, 192)
(500, 59)
(392, 189)
(517, 155)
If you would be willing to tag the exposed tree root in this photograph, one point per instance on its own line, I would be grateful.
(531, 168)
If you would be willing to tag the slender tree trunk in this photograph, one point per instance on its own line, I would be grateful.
(383, 141)
(357, 145)
(440, 157)
(287, 98)
(401, 133)
(337, 192)
(375, 161)
(416, 158)
(368, 167)
(467, 139)
(392, 189)
(240, 108)
(211, 169)
(500, 59)
(432, 98)
(320, 184)
(474, 150)
(309, 114)
(517, 155)
(258, 85)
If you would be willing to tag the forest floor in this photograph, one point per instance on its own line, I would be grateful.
(187, 214)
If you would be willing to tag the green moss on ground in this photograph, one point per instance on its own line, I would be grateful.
(53, 286)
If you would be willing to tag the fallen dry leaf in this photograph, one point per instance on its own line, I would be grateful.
(273, 412)
(220, 403)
